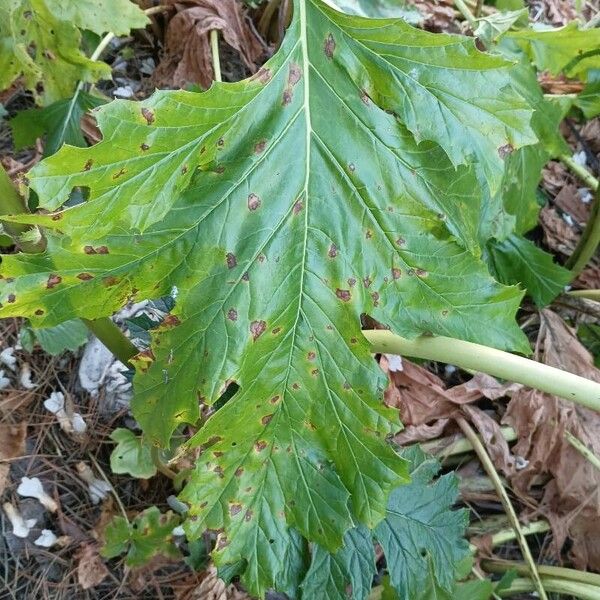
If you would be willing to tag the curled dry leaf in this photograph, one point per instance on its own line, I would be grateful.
(91, 569)
(12, 445)
(188, 57)
(571, 501)
(213, 588)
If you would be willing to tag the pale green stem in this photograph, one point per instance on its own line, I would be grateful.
(160, 465)
(589, 294)
(460, 446)
(216, 61)
(502, 566)
(580, 171)
(513, 519)
(554, 586)
(509, 535)
(466, 12)
(582, 449)
(113, 338)
(504, 365)
(588, 243)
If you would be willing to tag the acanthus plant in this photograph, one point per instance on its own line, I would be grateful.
(368, 168)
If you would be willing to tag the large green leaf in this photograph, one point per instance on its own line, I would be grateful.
(40, 41)
(308, 201)
(567, 50)
(378, 9)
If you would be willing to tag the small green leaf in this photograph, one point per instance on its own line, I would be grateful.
(353, 565)
(148, 535)
(589, 100)
(60, 123)
(589, 334)
(69, 335)
(131, 455)
(421, 536)
(492, 27)
(517, 260)
(567, 50)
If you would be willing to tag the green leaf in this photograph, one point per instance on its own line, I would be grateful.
(567, 50)
(38, 44)
(517, 260)
(117, 16)
(589, 100)
(421, 536)
(492, 27)
(69, 335)
(353, 565)
(148, 535)
(60, 123)
(378, 9)
(131, 455)
(338, 181)
(589, 334)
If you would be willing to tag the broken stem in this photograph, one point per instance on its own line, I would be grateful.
(488, 467)
(509, 535)
(466, 13)
(582, 449)
(589, 294)
(497, 363)
(216, 61)
(556, 586)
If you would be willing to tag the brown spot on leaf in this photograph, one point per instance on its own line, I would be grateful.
(444, 313)
(184, 169)
(170, 321)
(53, 281)
(315, 372)
(375, 298)
(311, 355)
(368, 234)
(257, 328)
(222, 542)
(246, 276)
(215, 439)
(102, 250)
(333, 251)
(422, 273)
(295, 386)
(11, 298)
(89, 250)
(276, 330)
(235, 509)
(396, 273)
(298, 207)
(110, 280)
(260, 445)
(505, 150)
(231, 260)
(263, 75)
(351, 167)
(85, 276)
(367, 281)
(400, 242)
(411, 272)
(365, 97)
(232, 314)
(248, 516)
(260, 147)
(253, 202)
(57, 216)
(219, 471)
(266, 420)
(119, 174)
(39, 312)
(352, 282)
(295, 74)
(329, 46)
(148, 115)
(353, 340)
(144, 147)
(275, 399)
(343, 295)
(287, 97)
(239, 471)
(217, 454)
(88, 164)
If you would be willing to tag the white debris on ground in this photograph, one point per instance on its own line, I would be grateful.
(4, 381)
(25, 377)
(394, 363)
(8, 358)
(47, 539)
(580, 158)
(21, 527)
(73, 423)
(97, 488)
(33, 488)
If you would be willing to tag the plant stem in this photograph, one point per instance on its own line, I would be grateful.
(113, 338)
(502, 566)
(461, 445)
(160, 465)
(580, 171)
(466, 13)
(488, 467)
(509, 535)
(588, 243)
(555, 586)
(504, 365)
(583, 450)
(589, 294)
(214, 46)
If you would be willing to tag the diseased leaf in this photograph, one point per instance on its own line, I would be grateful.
(517, 260)
(567, 49)
(278, 210)
(131, 455)
(421, 536)
(60, 123)
(352, 566)
(39, 45)
(148, 535)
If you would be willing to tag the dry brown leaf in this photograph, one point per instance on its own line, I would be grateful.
(558, 236)
(569, 201)
(188, 57)
(91, 569)
(553, 84)
(12, 445)
(571, 500)
(590, 133)
(423, 433)
(213, 588)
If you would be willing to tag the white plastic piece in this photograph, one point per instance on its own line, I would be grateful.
(580, 158)
(8, 358)
(47, 539)
(21, 527)
(585, 195)
(71, 424)
(394, 363)
(32, 488)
